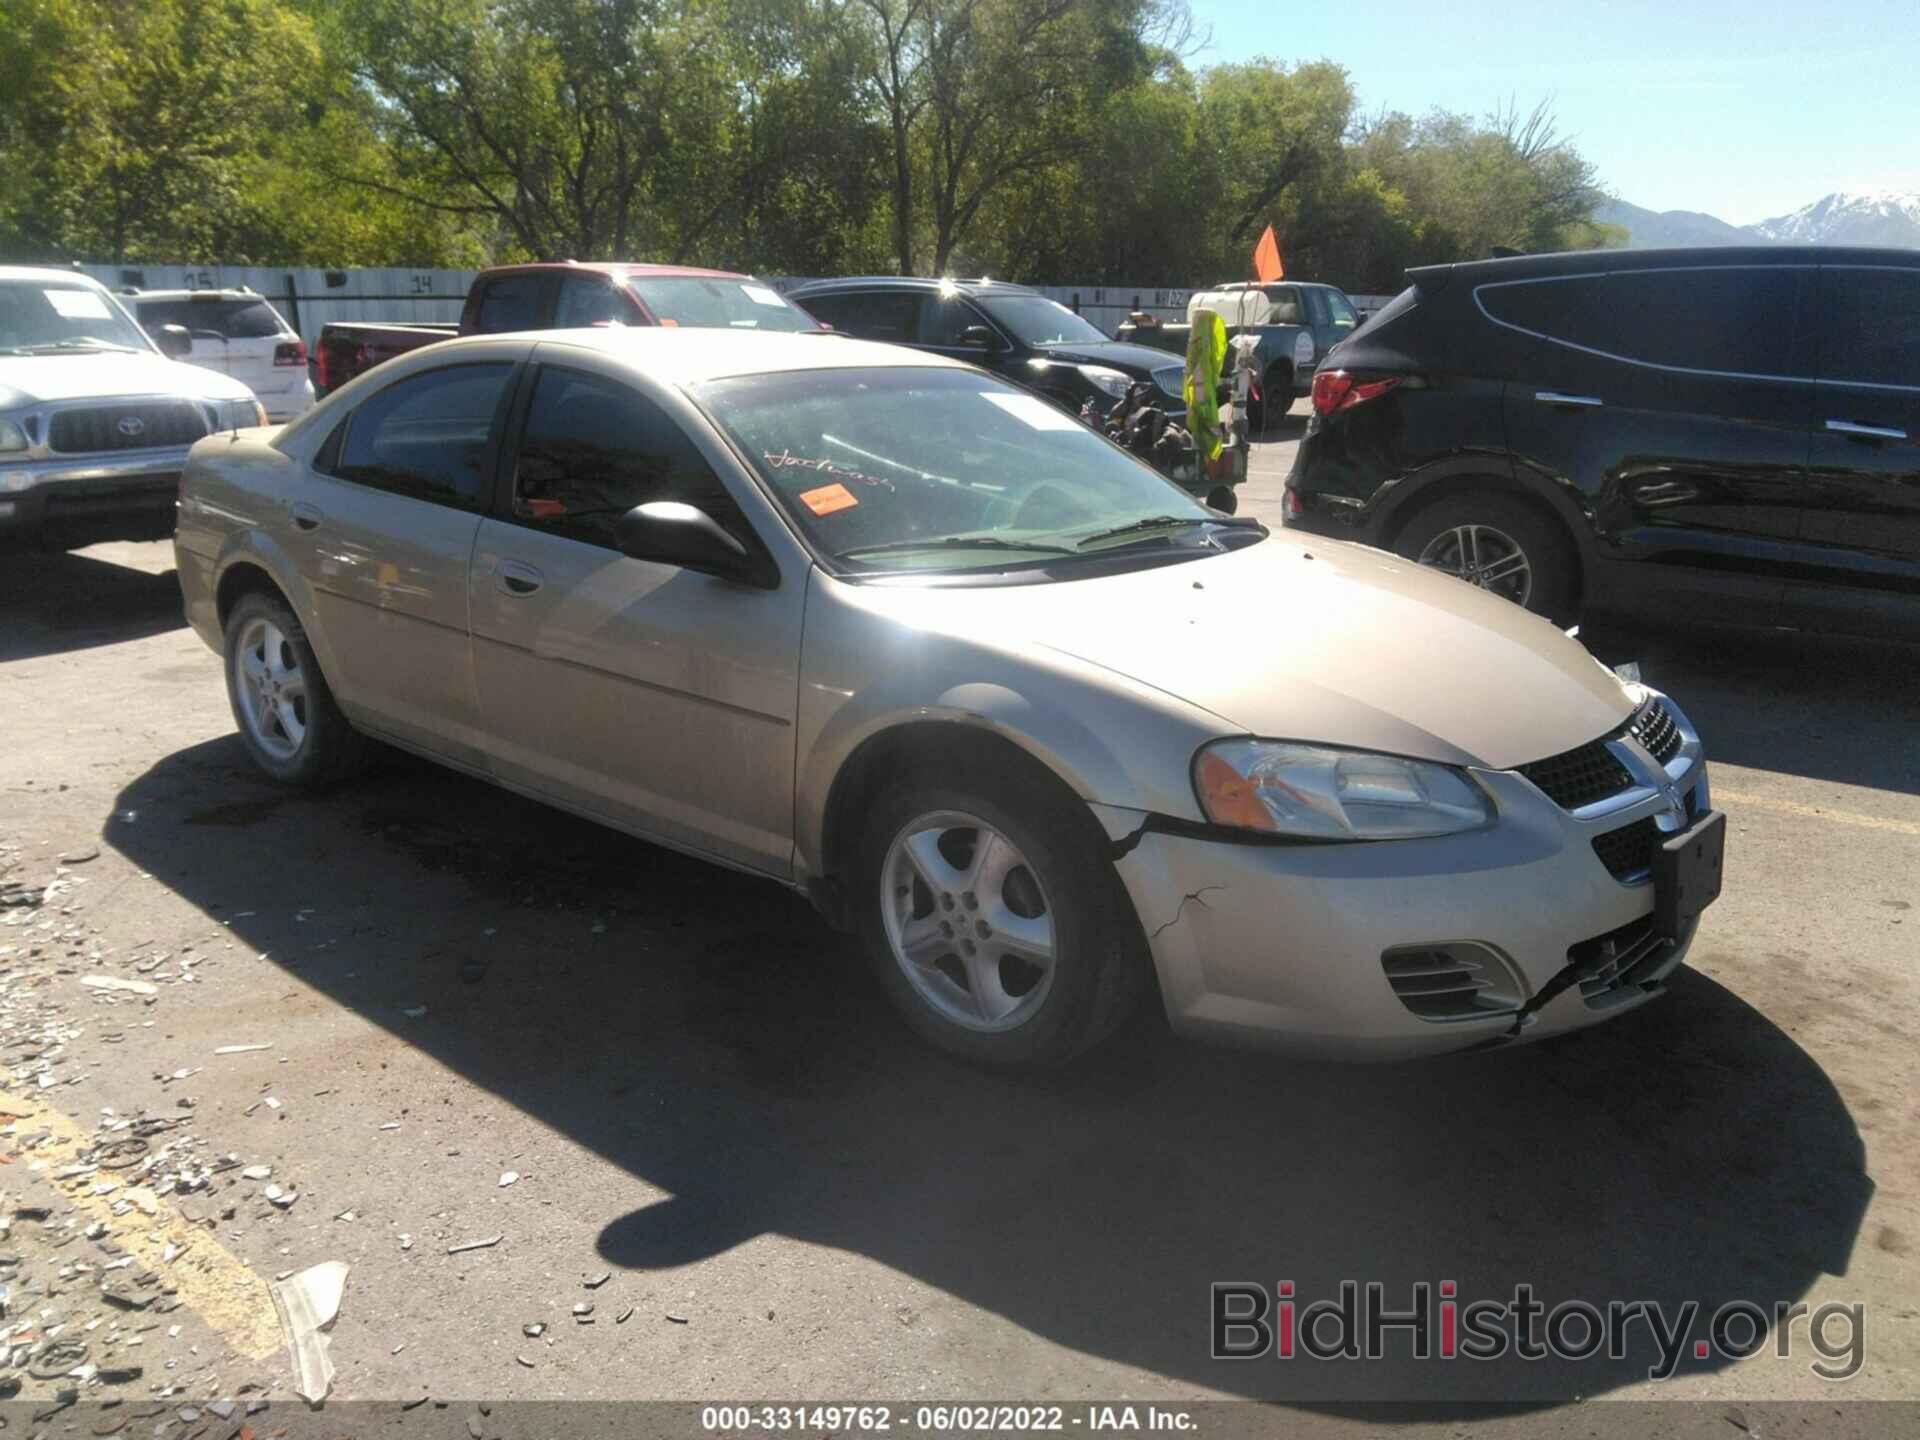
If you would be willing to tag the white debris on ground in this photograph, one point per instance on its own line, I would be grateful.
(85, 1300)
(82, 1315)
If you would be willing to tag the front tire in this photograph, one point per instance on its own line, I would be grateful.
(1500, 544)
(1222, 498)
(287, 716)
(1000, 933)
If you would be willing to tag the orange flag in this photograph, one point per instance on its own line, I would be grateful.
(1266, 259)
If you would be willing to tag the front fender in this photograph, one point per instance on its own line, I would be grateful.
(1110, 739)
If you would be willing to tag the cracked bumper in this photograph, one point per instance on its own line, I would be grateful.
(1282, 945)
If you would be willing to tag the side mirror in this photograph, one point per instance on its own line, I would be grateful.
(175, 341)
(685, 535)
(980, 337)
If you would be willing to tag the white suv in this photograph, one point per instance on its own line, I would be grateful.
(237, 333)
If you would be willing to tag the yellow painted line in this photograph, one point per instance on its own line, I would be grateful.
(1728, 799)
(209, 1279)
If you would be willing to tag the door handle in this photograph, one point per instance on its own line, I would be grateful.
(306, 516)
(517, 579)
(1866, 432)
(1554, 397)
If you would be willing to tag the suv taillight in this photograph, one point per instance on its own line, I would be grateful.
(290, 352)
(1337, 390)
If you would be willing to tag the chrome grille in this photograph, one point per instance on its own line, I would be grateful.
(1450, 982)
(1579, 777)
(1591, 772)
(1654, 728)
(146, 426)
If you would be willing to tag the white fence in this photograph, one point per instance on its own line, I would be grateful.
(309, 298)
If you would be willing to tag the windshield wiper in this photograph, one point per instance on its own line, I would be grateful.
(958, 542)
(1152, 522)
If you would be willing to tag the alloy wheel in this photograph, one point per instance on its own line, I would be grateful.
(968, 921)
(272, 689)
(1483, 556)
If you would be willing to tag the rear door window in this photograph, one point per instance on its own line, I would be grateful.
(891, 315)
(1731, 320)
(1870, 326)
(428, 436)
(1740, 320)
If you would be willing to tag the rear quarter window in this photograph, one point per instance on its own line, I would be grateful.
(1740, 320)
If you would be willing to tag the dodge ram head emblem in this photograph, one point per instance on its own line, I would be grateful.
(131, 425)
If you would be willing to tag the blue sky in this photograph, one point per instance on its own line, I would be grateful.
(1743, 110)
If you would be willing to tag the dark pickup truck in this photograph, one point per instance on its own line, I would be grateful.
(562, 295)
(1293, 323)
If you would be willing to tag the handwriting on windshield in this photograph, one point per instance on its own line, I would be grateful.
(786, 459)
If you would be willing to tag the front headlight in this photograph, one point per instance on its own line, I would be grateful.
(1107, 380)
(12, 438)
(1317, 793)
(237, 414)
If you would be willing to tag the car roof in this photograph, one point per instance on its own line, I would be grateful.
(47, 274)
(615, 269)
(685, 355)
(138, 295)
(1589, 262)
(908, 282)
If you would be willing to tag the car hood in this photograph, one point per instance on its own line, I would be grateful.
(1137, 360)
(1323, 641)
(37, 379)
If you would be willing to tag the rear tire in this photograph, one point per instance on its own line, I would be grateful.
(286, 714)
(1222, 498)
(1501, 544)
(1041, 956)
(1276, 398)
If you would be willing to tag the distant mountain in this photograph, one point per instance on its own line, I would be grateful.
(1876, 218)
(1654, 229)
(1842, 218)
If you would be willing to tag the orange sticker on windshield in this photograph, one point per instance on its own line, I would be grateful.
(827, 499)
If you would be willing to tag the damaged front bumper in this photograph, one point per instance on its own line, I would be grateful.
(1405, 948)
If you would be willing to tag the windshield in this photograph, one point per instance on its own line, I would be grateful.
(714, 304)
(1037, 320)
(932, 469)
(53, 317)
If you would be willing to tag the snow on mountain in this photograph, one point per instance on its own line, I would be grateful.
(1883, 217)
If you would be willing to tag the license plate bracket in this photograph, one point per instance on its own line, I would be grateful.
(1687, 871)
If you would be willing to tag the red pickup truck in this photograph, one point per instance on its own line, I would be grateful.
(561, 295)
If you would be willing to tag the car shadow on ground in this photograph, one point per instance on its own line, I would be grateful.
(1819, 706)
(54, 603)
(718, 1041)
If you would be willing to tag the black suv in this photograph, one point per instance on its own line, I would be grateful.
(1727, 434)
(1011, 330)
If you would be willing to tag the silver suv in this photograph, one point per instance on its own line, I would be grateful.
(95, 421)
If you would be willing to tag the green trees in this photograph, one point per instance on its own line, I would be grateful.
(1029, 139)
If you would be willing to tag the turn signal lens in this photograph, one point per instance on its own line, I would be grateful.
(1227, 796)
(1337, 390)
